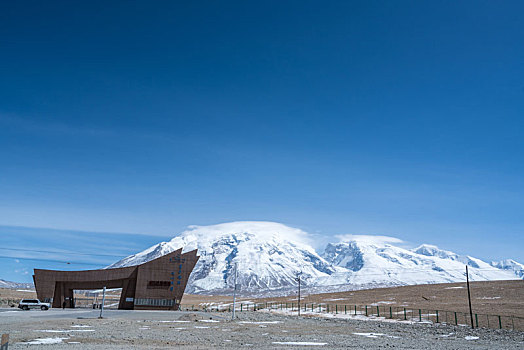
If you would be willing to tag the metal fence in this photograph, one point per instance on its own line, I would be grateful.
(384, 311)
(92, 303)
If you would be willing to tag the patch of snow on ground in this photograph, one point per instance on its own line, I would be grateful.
(470, 337)
(52, 330)
(489, 298)
(209, 321)
(454, 288)
(383, 302)
(260, 322)
(42, 341)
(375, 335)
(80, 326)
(303, 343)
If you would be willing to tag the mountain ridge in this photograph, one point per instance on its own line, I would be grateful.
(270, 256)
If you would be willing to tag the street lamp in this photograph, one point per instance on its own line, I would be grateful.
(298, 280)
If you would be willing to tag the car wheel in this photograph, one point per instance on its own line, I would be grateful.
(44, 307)
(25, 307)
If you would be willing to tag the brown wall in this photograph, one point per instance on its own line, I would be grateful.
(152, 285)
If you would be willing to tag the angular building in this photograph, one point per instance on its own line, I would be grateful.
(155, 285)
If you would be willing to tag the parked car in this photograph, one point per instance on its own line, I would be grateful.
(26, 304)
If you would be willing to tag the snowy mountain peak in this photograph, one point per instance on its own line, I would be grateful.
(510, 265)
(427, 249)
(268, 255)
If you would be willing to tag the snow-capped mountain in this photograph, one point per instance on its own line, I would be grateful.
(269, 256)
(15, 285)
(510, 265)
(375, 260)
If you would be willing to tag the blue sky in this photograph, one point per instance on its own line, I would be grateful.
(372, 117)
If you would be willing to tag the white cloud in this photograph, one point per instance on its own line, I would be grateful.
(259, 228)
(369, 238)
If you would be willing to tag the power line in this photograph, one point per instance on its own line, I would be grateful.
(61, 252)
(50, 260)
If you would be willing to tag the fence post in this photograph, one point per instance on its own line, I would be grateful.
(500, 323)
(390, 313)
(336, 309)
(437, 315)
(366, 310)
(345, 309)
(405, 316)
(312, 307)
(327, 310)
(456, 321)
(419, 315)
(378, 311)
(355, 310)
(476, 320)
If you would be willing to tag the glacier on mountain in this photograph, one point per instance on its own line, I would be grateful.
(269, 256)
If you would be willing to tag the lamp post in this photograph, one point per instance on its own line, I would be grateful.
(298, 279)
(103, 301)
(234, 292)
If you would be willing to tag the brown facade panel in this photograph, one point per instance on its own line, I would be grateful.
(157, 284)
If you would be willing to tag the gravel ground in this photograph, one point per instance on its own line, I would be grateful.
(81, 329)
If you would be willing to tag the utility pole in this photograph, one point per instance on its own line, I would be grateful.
(103, 301)
(234, 292)
(298, 279)
(469, 298)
